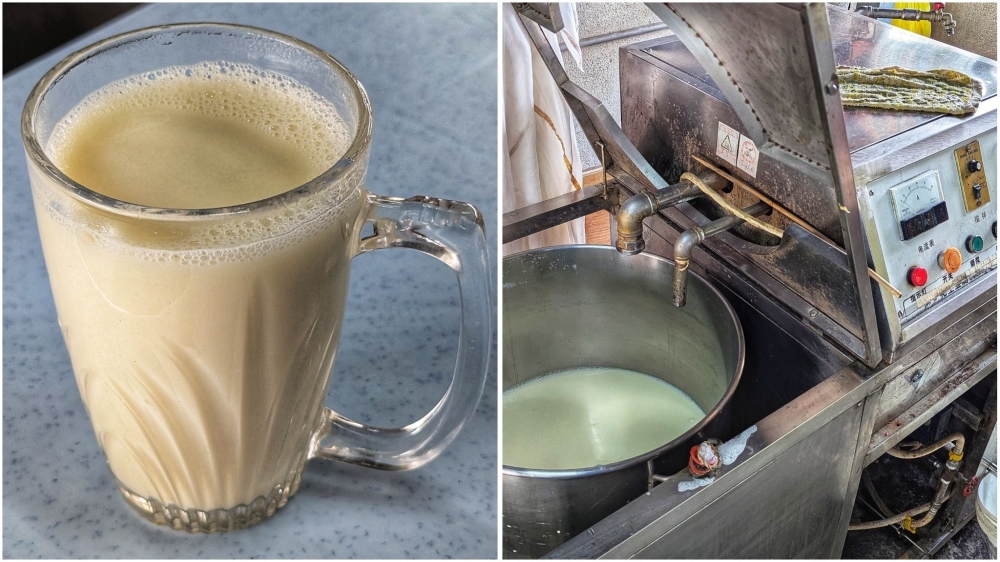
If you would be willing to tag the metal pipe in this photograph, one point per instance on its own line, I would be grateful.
(940, 497)
(645, 204)
(958, 450)
(909, 15)
(623, 34)
(686, 242)
(553, 212)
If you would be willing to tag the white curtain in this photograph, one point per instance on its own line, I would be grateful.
(540, 156)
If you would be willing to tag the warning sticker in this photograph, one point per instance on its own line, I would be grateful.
(728, 143)
(747, 156)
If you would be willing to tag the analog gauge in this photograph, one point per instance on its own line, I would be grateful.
(917, 195)
(919, 204)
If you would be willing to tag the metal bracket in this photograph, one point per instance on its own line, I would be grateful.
(967, 413)
(558, 210)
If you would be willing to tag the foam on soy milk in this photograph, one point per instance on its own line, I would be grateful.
(201, 348)
(195, 137)
(591, 416)
(205, 136)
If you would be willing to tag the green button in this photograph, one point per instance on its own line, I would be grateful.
(974, 244)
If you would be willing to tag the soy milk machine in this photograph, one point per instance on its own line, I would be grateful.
(867, 300)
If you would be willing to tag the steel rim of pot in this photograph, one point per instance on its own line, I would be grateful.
(558, 474)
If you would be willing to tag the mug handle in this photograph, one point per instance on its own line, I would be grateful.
(452, 232)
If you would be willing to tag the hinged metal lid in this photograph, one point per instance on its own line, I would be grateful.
(759, 57)
(775, 65)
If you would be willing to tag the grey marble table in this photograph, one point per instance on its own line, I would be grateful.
(430, 71)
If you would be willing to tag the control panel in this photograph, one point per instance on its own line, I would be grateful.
(975, 186)
(935, 225)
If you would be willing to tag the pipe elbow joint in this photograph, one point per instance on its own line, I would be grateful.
(686, 242)
(629, 219)
(683, 248)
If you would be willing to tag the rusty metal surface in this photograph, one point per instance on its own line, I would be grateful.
(933, 402)
(910, 386)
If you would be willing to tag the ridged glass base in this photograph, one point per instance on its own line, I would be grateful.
(215, 520)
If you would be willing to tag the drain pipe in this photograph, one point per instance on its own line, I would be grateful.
(687, 241)
(646, 204)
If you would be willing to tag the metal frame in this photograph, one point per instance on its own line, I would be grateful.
(824, 75)
(528, 220)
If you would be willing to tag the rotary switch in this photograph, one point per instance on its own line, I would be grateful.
(974, 166)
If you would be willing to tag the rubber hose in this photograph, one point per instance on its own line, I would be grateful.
(958, 438)
(892, 520)
(895, 518)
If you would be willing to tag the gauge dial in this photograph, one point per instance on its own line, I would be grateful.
(917, 195)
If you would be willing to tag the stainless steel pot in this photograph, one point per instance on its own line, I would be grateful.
(589, 306)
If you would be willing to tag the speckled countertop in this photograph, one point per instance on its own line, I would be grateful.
(430, 71)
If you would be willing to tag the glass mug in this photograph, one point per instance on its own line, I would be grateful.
(203, 340)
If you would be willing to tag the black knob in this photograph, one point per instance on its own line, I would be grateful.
(977, 191)
(974, 166)
(994, 229)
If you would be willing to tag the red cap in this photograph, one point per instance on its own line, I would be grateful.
(917, 276)
(936, 6)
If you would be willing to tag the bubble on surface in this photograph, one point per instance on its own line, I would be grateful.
(296, 114)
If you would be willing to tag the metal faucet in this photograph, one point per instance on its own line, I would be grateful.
(688, 239)
(647, 203)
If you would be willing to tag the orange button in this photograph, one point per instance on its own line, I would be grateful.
(950, 260)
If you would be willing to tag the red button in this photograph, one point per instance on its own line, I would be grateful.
(917, 276)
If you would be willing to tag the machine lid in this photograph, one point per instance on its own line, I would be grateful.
(758, 55)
